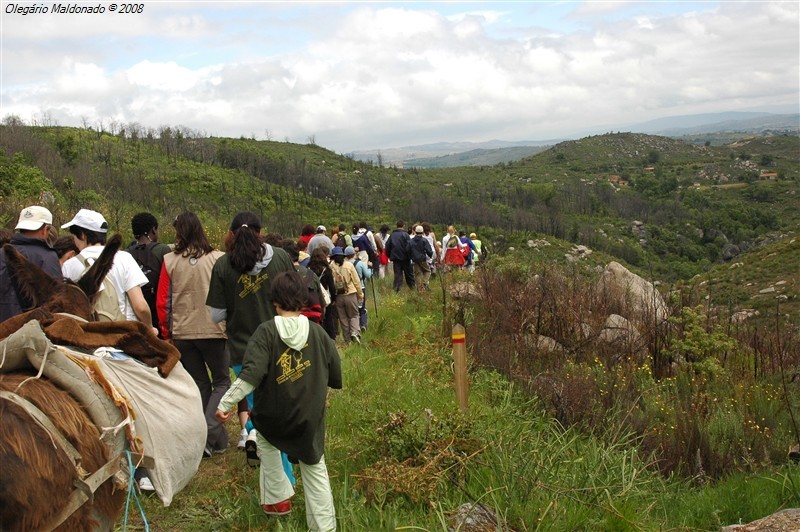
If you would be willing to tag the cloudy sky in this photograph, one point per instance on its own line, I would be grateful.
(362, 75)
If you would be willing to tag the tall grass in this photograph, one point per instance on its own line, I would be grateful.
(401, 455)
(704, 398)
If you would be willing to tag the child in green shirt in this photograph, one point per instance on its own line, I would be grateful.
(289, 364)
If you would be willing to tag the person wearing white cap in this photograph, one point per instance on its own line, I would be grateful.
(31, 241)
(421, 253)
(89, 230)
(320, 239)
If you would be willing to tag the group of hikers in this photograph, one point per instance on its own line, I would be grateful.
(268, 308)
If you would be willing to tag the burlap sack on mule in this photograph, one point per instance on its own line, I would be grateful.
(167, 420)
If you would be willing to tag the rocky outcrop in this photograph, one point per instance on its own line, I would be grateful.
(743, 315)
(783, 520)
(577, 253)
(622, 336)
(542, 344)
(465, 290)
(637, 299)
(475, 518)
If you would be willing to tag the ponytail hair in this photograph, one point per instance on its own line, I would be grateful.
(243, 243)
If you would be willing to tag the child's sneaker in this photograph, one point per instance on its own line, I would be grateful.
(251, 449)
(279, 508)
(242, 439)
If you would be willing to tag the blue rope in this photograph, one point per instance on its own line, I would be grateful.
(132, 490)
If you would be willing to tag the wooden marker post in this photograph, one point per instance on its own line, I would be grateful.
(460, 366)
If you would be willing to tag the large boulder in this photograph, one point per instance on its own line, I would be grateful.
(788, 519)
(622, 336)
(542, 344)
(465, 290)
(631, 295)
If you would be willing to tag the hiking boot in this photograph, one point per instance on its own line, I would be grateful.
(356, 338)
(242, 439)
(251, 449)
(279, 508)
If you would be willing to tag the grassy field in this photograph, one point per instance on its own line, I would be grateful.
(401, 456)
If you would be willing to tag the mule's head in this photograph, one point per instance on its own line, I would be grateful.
(57, 295)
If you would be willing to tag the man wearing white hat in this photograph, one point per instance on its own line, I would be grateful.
(89, 231)
(320, 239)
(31, 241)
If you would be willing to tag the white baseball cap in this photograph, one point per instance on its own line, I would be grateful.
(91, 220)
(33, 218)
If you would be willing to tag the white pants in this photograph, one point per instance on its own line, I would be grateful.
(275, 486)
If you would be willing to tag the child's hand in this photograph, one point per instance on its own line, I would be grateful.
(221, 416)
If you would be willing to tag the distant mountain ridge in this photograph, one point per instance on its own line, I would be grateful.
(719, 123)
(479, 157)
(420, 155)
(451, 154)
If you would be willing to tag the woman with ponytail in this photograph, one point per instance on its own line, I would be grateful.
(240, 294)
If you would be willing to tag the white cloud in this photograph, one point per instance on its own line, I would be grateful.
(362, 76)
(167, 76)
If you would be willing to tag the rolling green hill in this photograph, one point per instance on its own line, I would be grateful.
(660, 205)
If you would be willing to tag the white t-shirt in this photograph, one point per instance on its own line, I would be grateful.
(125, 273)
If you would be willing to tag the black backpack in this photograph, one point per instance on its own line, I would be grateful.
(151, 268)
(418, 254)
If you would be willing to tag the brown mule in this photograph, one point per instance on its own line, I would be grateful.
(51, 295)
(37, 476)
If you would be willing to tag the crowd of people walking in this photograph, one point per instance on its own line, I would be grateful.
(266, 308)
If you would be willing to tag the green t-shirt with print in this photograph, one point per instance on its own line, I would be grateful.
(245, 298)
(291, 389)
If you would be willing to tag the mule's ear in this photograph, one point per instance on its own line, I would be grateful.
(32, 282)
(91, 281)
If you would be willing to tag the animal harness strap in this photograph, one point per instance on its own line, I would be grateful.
(84, 492)
(86, 486)
(43, 421)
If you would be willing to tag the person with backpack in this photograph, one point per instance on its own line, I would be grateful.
(149, 255)
(398, 249)
(125, 279)
(452, 254)
(314, 309)
(320, 264)
(362, 245)
(421, 252)
(341, 238)
(480, 249)
(121, 297)
(364, 272)
(469, 250)
(184, 319)
(349, 295)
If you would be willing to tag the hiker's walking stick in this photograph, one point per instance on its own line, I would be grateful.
(374, 297)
